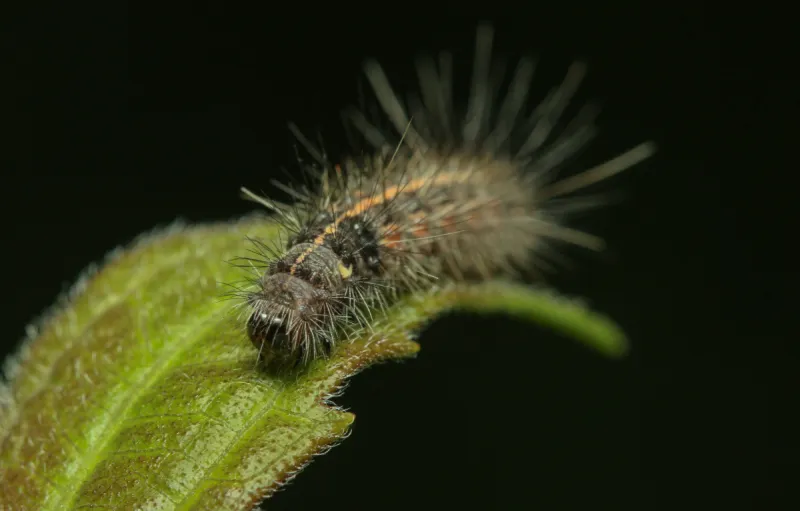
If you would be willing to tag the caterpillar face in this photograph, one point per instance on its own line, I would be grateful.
(296, 297)
(283, 314)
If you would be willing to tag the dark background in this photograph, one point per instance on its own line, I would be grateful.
(124, 118)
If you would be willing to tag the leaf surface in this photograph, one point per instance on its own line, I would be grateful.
(140, 390)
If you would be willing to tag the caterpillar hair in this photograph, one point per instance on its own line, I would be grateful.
(437, 199)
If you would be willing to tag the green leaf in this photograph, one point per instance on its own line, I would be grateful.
(140, 391)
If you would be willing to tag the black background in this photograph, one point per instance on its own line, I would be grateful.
(124, 118)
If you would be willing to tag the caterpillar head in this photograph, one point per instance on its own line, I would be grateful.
(295, 302)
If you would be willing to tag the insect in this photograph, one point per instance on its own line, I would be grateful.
(435, 200)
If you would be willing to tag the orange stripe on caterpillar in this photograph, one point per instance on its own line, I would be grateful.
(365, 205)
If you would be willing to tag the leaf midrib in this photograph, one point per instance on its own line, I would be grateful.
(89, 459)
(164, 363)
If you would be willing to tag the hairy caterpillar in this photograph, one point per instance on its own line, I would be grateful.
(435, 200)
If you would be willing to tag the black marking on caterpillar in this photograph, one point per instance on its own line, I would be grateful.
(433, 201)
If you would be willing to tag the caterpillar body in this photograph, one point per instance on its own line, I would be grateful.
(434, 201)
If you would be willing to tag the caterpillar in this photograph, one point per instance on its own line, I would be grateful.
(434, 200)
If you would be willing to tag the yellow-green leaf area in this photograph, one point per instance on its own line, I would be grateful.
(141, 390)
